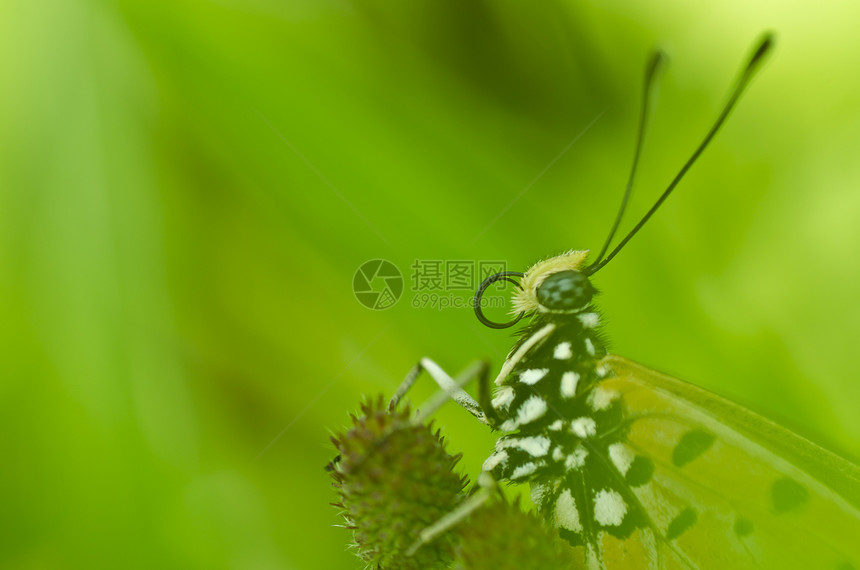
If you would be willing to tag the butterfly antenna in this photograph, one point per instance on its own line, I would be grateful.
(747, 74)
(657, 59)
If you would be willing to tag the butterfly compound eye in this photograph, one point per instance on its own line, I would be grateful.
(565, 291)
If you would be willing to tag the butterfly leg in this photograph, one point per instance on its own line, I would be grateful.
(452, 389)
(485, 397)
(487, 487)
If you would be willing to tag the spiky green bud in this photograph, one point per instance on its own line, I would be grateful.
(395, 479)
(500, 536)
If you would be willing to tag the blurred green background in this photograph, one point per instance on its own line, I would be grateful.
(186, 189)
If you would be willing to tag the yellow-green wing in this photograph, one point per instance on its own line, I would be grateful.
(724, 487)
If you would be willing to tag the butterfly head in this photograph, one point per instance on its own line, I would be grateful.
(557, 285)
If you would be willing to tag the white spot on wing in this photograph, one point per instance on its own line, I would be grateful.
(589, 346)
(538, 493)
(558, 454)
(557, 425)
(509, 425)
(536, 446)
(566, 513)
(621, 456)
(503, 398)
(583, 427)
(576, 459)
(589, 320)
(494, 460)
(562, 351)
(533, 376)
(524, 470)
(609, 508)
(593, 558)
(532, 409)
(601, 398)
(569, 381)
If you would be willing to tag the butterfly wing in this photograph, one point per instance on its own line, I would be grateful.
(721, 487)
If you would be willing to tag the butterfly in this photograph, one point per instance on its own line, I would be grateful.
(637, 469)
